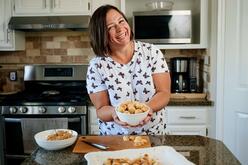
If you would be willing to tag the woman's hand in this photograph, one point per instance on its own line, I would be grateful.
(117, 120)
(147, 119)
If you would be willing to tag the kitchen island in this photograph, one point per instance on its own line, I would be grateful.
(198, 149)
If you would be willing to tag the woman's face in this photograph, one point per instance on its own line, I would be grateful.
(118, 29)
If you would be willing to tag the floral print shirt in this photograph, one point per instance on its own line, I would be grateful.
(131, 81)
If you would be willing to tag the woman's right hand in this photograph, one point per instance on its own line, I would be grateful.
(117, 120)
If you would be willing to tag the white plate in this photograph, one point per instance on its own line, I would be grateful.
(165, 155)
(41, 139)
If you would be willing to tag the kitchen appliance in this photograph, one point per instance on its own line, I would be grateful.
(51, 92)
(172, 26)
(184, 75)
(41, 23)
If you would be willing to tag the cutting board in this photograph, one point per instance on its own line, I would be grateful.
(114, 142)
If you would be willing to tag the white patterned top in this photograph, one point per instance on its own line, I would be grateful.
(132, 81)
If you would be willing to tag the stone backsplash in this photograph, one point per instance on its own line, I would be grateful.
(68, 47)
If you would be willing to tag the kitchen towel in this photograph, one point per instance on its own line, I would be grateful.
(31, 126)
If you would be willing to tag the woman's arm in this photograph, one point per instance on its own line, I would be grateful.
(162, 84)
(104, 110)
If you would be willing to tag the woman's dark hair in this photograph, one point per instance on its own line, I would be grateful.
(98, 31)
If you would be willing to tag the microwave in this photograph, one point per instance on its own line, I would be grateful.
(163, 27)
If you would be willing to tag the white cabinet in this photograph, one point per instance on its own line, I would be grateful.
(187, 120)
(98, 3)
(9, 39)
(199, 9)
(94, 129)
(51, 7)
(181, 120)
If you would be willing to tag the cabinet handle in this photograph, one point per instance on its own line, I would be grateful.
(3, 26)
(55, 3)
(8, 35)
(88, 6)
(187, 117)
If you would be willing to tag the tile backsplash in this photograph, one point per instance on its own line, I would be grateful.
(51, 47)
(69, 47)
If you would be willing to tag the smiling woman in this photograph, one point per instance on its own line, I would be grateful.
(125, 69)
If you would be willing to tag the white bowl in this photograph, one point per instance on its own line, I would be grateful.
(160, 5)
(41, 140)
(132, 119)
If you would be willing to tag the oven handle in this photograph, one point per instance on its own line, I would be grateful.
(18, 120)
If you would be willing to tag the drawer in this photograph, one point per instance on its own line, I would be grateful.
(186, 116)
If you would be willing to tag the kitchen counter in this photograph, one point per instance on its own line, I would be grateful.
(184, 102)
(198, 149)
(190, 102)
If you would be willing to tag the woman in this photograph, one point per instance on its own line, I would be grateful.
(124, 69)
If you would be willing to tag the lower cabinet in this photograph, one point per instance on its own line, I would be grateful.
(187, 130)
(187, 120)
(181, 120)
(94, 129)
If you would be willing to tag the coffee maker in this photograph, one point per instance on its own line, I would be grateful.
(184, 75)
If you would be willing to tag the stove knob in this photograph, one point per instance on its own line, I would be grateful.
(42, 109)
(13, 109)
(23, 109)
(61, 109)
(71, 109)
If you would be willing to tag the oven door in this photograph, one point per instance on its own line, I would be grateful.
(14, 152)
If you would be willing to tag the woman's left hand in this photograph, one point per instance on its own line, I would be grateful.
(147, 119)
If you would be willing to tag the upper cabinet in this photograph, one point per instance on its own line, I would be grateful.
(199, 10)
(51, 7)
(9, 39)
(98, 3)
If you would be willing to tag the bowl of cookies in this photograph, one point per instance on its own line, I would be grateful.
(55, 139)
(132, 112)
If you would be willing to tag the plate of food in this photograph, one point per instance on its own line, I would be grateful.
(160, 155)
(56, 139)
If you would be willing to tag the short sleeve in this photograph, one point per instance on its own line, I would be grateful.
(159, 64)
(94, 79)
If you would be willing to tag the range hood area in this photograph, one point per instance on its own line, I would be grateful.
(43, 23)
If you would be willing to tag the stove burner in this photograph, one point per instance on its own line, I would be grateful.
(51, 92)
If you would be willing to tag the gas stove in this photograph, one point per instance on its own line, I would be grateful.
(50, 89)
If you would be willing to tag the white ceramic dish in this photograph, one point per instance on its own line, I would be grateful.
(160, 5)
(163, 154)
(132, 119)
(41, 140)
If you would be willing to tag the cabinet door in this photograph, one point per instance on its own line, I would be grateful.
(31, 7)
(98, 3)
(2, 22)
(94, 130)
(71, 6)
(187, 130)
(9, 40)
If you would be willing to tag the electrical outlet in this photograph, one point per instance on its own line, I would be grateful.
(13, 76)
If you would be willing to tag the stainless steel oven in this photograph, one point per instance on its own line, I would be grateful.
(55, 96)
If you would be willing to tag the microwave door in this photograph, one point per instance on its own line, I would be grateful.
(161, 28)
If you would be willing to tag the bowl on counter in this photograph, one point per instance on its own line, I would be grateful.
(132, 119)
(42, 139)
(160, 5)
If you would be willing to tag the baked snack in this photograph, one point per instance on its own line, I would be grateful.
(59, 135)
(137, 140)
(132, 107)
(143, 160)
